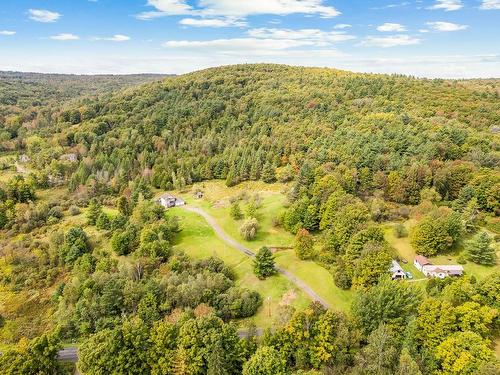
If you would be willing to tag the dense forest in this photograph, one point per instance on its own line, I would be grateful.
(87, 256)
(32, 99)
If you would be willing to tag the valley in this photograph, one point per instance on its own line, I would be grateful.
(297, 188)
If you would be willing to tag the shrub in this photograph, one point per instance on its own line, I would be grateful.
(461, 260)
(249, 229)
(235, 211)
(400, 231)
(276, 221)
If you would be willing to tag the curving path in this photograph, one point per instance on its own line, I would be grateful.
(233, 243)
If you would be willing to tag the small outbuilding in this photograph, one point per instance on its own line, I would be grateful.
(169, 201)
(397, 272)
(24, 158)
(72, 157)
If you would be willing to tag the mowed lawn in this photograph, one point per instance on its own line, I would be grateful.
(216, 202)
(199, 241)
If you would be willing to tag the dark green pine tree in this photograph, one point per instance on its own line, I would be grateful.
(93, 212)
(231, 178)
(263, 264)
(479, 249)
(103, 222)
(123, 206)
(268, 174)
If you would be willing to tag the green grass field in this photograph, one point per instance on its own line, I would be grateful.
(216, 202)
(198, 240)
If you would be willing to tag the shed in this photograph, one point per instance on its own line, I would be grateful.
(69, 157)
(397, 272)
(24, 158)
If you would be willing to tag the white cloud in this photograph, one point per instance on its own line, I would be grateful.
(212, 22)
(238, 9)
(65, 36)
(171, 7)
(42, 15)
(390, 41)
(391, 27)
(319, 37)
(79, 61)
(254, 7)
(114, 38)
(447, 5)
(7, 32)
(446, 26)
(390, 6)
(490, 4)
(238, 45)
(342, 26)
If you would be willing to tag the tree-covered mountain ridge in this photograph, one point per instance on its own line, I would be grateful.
(236, 120)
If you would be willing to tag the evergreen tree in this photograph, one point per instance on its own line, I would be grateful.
(263, 264)
(470, 216)
(268, 173)
(235, 211)
(231, 178)
(479, 249)
(93, 212)
(123, 206)
(103, 222)
(380, 356)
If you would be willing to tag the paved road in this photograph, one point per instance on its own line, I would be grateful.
(235, 244)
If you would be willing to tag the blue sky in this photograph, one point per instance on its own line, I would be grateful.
(429, 38)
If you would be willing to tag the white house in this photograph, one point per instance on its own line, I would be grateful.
(420, 262)
(442, 271)
(168, 201)
(397, 273)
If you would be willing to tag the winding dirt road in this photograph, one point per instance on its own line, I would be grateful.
(236, 245)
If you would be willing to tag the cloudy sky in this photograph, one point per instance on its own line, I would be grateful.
(430, 38)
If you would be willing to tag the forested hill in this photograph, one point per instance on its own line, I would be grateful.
(32, 97)
(239, 122)
(23, 89)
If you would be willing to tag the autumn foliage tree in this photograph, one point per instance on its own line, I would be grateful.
(304, 244)
(437, 232)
